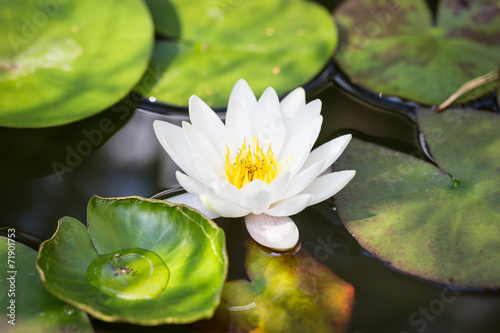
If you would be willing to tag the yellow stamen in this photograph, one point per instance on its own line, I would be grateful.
(251, 163)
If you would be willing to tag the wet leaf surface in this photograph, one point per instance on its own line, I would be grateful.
(441, 224)
(61, 61)
(145, 235)
(282, 44)
(33, 308)
(394, 47)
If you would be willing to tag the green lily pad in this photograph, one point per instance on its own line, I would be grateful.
(395, 48)
(287, 293)
(283, 44)
(26, 305)
(61, 61)
(439, 223)
(141, 261)
(498, 89)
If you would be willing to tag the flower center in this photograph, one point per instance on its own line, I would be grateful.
(251, 163)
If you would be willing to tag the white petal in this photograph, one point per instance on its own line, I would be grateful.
(226, 191)
(293, 102)
(278, 233)
(303, 116)
(290, 206)
(279, 185)
(319, 159)
(207, 121)
(274, 134)
(256, 197)
(303, 179)
(173, 140)
(222, 207)
(328, 152)
(209, 199)
(194, 202)
(191, 185)
(267, 107)
(202, 146)
(326, 186)
(238, 127)
(298, 157)
(205, 174)
(243, 94)
(300, 144)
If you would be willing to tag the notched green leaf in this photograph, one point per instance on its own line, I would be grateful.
(26, 305)
(439, 223)
(62, 61)
(393, 47)
(224, 43)
(141, 261)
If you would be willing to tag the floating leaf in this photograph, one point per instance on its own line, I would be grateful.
(26, 305)
(498, 89)
(420, 219)
(287, 293)
(469, 86)
(283, 44)
(395, 48)
(141, 261)
(62, 61)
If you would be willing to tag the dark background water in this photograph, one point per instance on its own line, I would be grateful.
(46, 174)
(130, 161)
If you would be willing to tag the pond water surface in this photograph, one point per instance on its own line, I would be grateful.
(127, 159)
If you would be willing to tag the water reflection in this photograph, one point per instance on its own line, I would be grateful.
(132, 162)
(290, 292)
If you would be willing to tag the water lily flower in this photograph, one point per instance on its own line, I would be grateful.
(259, 164)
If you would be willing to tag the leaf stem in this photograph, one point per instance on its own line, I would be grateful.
(468, 86)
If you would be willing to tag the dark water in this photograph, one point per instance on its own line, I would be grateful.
(130, 161)
(117, 154)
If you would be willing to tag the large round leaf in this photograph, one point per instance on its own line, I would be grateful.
(191, 246)
(498, 89)
(278, 43)
(439, 223)
(61, 61)
(26, 305)
(395, 48)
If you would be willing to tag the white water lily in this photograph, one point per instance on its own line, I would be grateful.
(259, 164)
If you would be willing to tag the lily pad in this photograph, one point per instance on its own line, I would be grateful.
(283, 44)
(498, 89)
(287, 293)
(26, 305)
(439, 223)
(395, 48)
(141, 261)
(61, 61)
